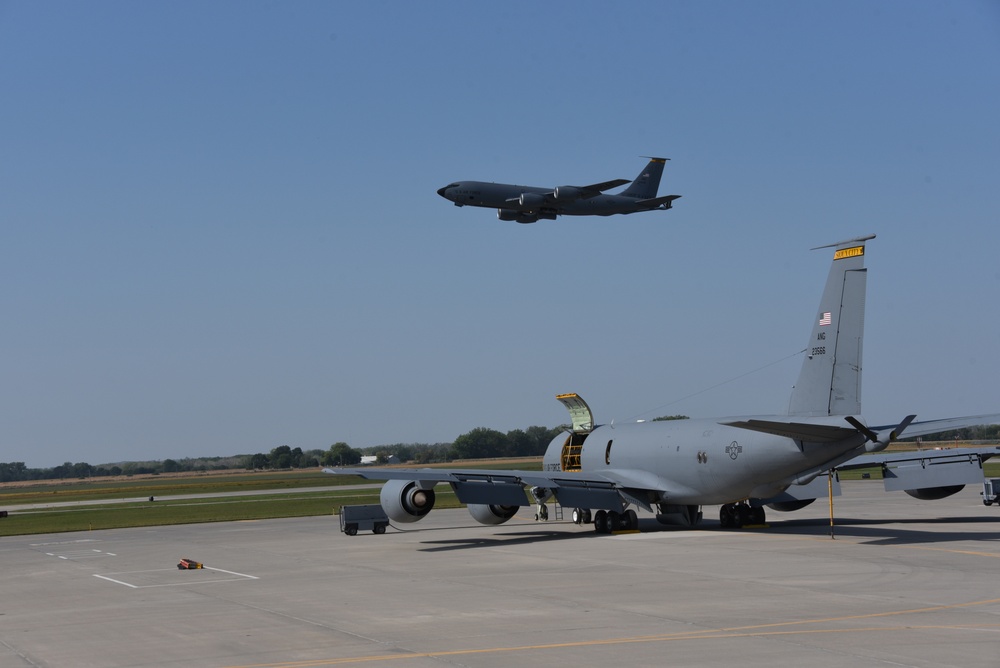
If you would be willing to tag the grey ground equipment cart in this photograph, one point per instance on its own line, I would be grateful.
(370, 517)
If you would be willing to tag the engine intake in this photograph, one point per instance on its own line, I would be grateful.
(403, 501)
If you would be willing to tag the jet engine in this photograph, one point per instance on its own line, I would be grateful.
(531, 200)
(567, 193)
(490, 513)
(404, 502)
(790, 506)
(512, 214)
(934, 493)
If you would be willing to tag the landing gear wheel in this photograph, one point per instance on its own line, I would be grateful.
(630, 520)
(577, 516)
(726, 518)
(586, 516)
(742, 515)
(757, 515)
(614, 521)
(601, 522)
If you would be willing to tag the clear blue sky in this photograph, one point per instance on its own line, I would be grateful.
(219, 231)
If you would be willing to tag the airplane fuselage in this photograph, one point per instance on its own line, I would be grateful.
(697, 462)
(503, 196)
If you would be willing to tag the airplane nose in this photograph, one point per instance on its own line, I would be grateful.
(441, 191)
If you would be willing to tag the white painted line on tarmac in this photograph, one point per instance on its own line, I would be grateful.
(236, 577)
(103, 577)
(242, 575)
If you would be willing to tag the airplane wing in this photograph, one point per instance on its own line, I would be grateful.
(928, 427)
(933, 457)
(595, 189)
(606, 490)
(571, 193)
(923, 474)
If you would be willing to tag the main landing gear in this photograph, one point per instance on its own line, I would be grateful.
(737, 515)
(608, 521)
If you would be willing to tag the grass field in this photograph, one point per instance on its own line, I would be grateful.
(128, 505)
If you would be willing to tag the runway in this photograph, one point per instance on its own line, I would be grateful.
(904, 583)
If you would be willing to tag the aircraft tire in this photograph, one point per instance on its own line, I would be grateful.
(757, 515)
(726, 516)
(631, 520)
(742, 515)
(601, 522)
(614, 521)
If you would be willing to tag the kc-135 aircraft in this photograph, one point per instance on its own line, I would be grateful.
(673, 468)
(527, 204)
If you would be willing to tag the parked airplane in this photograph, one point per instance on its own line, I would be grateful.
(673, 468)
(526, 204)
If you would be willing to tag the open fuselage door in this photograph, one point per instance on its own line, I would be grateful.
(582, 424)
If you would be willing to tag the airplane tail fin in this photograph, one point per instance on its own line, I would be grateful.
(830, 380)
(647, 183)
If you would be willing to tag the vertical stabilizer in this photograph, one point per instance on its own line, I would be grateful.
(647, 183)
(830, 379)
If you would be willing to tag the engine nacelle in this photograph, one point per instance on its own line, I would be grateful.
(491, 514)
(513, 214)
(403, 501)
(671, 514)
(531, 200)
(567, 193)
(789, 506)
(934, 493)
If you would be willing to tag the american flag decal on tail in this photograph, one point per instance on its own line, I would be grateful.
(826, 319)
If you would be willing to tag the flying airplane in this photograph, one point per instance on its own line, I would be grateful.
(528, 204)
(674, 468)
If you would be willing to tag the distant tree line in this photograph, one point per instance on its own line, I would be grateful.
(480, 443)
(17, 471)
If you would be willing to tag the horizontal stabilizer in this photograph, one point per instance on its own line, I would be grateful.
(800, 431)
(666, 202)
